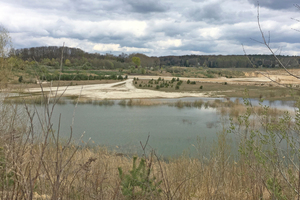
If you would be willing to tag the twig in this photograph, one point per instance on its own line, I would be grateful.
(269, 48)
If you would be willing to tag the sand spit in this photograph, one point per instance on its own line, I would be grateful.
(119, 90)
(126, 89)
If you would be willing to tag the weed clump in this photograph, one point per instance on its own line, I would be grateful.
(138, 184)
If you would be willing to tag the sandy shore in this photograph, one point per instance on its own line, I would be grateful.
(126, 89)
(120, 90)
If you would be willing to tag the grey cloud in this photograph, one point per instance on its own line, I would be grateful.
(198, 1)
(125, 41)
(173, 29)
(60, 29)
(277, 33)
(210, 12)
(278, 37)
(216, 13)
(240, 35)
(245, 15)
(138, 43)
(101, 8)
(146, 6)
(19, 42)
(275, 4)
(49, 5)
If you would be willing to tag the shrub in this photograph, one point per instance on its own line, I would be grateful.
(91, 77)
(21, 79)
(201, 87)
(113, 76)
(209, 76)
(138, 183)
(120, 77)
(179, 83)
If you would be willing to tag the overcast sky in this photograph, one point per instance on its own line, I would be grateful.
(153, 27)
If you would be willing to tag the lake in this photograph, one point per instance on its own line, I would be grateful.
(121, 128)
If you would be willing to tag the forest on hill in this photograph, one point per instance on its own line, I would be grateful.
(75, 57)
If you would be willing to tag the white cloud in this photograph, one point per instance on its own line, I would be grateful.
(165, 44)
(117, 48)
(210, 33)
(107, 47)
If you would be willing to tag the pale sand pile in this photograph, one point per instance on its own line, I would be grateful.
(119, 90)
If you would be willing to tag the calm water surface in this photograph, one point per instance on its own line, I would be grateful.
(172, 130)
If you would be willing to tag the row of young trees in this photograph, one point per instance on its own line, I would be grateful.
(79, 76)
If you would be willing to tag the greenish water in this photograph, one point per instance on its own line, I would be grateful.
(171, 130)
(121, 128)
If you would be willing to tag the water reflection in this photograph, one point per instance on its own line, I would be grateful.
(122, 128)
(172, 131)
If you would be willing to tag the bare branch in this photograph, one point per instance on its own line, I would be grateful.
(269, 48)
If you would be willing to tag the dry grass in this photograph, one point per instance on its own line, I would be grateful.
(139, 102)
(32, 99)
(94, 175)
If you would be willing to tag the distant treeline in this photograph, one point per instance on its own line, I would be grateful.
(78, 58)
(229, 61)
